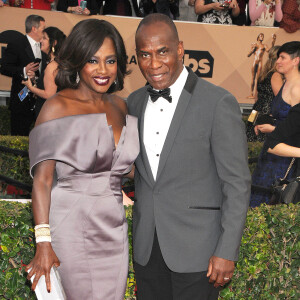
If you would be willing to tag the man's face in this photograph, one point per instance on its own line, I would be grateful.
(159, 55)
(38, 31)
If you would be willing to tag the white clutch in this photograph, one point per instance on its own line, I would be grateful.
(57, 291)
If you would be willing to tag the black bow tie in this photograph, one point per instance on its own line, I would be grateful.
(165, 93)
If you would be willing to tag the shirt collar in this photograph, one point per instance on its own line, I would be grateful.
(178, 85)
(32, 41)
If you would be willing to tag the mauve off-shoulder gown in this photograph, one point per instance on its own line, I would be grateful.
(87, 217)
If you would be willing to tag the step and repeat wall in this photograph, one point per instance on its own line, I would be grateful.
(221, 54)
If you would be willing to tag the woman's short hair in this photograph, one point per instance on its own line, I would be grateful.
(56, 39)
(292, 49)
(83, 42)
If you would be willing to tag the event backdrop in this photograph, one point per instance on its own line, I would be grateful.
(218, 53)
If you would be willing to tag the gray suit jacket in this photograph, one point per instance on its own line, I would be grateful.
(199, 201)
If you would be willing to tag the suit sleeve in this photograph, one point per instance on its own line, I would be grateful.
(10, 65)
(230, 152)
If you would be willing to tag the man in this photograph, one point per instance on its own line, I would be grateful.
(18, 63)
(258, 49)
(192, 180)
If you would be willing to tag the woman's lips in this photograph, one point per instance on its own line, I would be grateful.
(101, 80)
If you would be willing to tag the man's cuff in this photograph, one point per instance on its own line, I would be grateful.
(24, 73)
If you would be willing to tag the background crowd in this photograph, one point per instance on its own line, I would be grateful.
(283, 13)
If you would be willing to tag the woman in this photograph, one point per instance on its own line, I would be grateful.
(268, 85)
(216, 12)
(85, 137)
(285, 141)
(73, 6)
(265, 12)
(269, 166)
(51, 43)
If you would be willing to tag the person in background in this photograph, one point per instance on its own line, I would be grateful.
(169, 8)
(285, 141)
(192, 178)
(1, 3)
(52, 41)
(18, 62)
(291, 16)
(216, 12)
(85, 137)
(73, 6)
(265, 12)
(121, 8)
(187, 10)
(268, 85)
(271, 167)
(241, 19)
(35, 4)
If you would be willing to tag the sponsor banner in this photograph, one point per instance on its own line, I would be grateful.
(217, 53)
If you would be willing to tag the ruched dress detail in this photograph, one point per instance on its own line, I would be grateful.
(87, 217)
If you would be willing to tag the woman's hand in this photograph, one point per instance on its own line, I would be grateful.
(264, 128)
(86, 12)
(217, 6)
(42, 263)
(75, 9)
(126, 200)
(28, 83)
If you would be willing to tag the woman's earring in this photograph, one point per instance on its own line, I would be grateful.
(53, 49)
(77, 78)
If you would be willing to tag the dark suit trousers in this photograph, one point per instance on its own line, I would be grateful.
(156, 281)
(20, 123)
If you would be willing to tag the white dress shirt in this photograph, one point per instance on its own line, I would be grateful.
(157, 120)
(36, 48)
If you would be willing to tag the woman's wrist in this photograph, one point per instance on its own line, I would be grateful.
(70, 9)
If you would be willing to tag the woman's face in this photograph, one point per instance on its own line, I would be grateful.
(285, 63)
(100, 71)
(45, 46)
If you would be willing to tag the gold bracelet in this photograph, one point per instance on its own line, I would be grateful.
(42, 232)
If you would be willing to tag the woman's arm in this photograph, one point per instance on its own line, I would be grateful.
(255, 12)
(44, 257)
(278, 11)
(276, 83)
(49, 82)
(202, 8)
(235, 9)
(285, 150)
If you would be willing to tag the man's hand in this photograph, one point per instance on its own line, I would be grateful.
(220, 270)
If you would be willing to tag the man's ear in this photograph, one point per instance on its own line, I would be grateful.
(180, 50)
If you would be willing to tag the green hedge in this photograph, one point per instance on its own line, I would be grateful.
(17, 167)
(268, 267)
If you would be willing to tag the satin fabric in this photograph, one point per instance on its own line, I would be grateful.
(87, 218)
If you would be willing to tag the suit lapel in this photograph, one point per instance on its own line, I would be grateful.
(28, 49)
(144, 155)
(183, 103)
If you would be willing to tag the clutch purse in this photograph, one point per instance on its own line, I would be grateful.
(285, 190)
(258, 118)
(57, 291)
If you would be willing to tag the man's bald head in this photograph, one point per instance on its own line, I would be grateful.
(158, 18)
